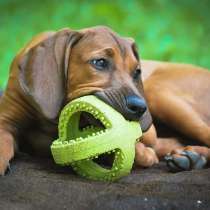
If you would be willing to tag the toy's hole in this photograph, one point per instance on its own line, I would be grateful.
(105, 160)
(86, 119)
(83, 124)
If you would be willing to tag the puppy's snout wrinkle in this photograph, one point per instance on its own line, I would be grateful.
(132, 107)
(136, 107)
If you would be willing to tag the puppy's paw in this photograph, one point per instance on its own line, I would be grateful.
(185, 161)
(4, 167)
(145, 156)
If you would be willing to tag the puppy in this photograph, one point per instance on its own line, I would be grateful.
(56, 67)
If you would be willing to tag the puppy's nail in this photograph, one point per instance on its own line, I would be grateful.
(168, 157)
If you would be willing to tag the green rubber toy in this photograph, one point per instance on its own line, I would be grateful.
(80, 147)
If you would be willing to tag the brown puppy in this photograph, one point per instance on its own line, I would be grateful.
(56, 67)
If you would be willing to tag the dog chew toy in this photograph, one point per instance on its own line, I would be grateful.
(82, 147)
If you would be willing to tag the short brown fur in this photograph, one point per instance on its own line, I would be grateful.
(54, 68)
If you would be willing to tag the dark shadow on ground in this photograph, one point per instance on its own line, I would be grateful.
(39, 184)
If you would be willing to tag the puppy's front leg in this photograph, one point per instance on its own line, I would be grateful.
(151, 148)
(7, 148)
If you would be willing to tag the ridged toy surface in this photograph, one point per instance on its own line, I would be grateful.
(80, 147)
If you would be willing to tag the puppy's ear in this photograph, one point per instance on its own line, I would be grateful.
(43, 70)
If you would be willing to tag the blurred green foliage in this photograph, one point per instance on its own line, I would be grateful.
(164, 30)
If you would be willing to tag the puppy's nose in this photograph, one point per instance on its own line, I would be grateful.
(136, 107)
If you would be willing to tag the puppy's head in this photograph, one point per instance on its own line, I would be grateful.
(70, 64)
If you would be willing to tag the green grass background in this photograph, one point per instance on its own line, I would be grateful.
(176, 30)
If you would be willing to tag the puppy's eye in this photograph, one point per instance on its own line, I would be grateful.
(100, 64)
(136, 74)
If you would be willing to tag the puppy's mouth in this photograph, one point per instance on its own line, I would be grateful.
(145, 121)
(117, 99)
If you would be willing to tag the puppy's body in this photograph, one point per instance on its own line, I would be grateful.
(56, 67)
(177, 95)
